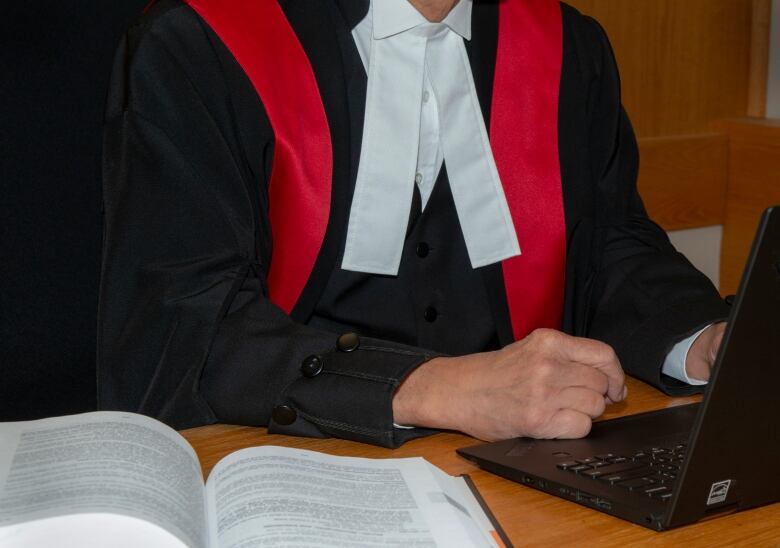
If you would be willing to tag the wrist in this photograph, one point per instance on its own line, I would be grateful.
(422, 397)
(703, 351)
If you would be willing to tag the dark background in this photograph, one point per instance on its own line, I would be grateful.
(55, 62)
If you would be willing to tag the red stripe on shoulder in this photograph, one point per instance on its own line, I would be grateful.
(524, 139)
(261, 39)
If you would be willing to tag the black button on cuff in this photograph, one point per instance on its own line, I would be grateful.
(348, 342)
(422, 250)
(311, 366)
(284, 415)
(430, 314)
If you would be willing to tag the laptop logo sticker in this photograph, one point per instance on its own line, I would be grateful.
(718, 492)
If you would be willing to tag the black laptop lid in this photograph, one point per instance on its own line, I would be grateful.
(735, 459)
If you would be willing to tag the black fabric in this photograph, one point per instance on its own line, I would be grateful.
(186, 333)
(437, 301)
(625, 282)
(55, 62)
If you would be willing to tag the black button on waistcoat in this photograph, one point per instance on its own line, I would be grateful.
(430, 314)
(348, 342)
(311, 366)
(422, 250)
(284, 415)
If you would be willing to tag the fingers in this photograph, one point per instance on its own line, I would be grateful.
(584, 376)
(582, 400)
(599, 356)
(569, 424)
(577, 349)
(625, 395)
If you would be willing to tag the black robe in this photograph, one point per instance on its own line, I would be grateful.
(186, 332)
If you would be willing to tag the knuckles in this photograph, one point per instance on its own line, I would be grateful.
(573, 426)
(535, 422)
(545, 338)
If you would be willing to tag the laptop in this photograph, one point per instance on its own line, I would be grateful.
(679, 465)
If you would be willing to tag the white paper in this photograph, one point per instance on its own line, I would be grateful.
(124, 480)
(102, 463)
(273, 496)
(88, 530)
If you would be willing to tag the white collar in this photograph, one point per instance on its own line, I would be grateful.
(401, 49)
(391, 17)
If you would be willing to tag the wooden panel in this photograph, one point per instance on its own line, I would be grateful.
(683, 63)
(759, 57)
(754, 184)
(683, 179)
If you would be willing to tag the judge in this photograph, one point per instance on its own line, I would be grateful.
(370, 219)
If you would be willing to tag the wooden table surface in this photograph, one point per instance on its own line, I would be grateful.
(529, 517)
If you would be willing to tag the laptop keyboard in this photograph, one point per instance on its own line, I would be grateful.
(650, 472)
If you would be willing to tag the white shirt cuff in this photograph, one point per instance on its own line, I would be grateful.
(674, 365)
(403, 427)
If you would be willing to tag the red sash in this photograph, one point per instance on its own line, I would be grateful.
(258, 35)
(523, 135)
(524, 139)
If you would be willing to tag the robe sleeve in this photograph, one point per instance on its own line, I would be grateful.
(186, 331)
(645, 296)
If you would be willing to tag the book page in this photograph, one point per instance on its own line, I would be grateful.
(88, 531)
(101, 463)
(274, 496)
(475, 522)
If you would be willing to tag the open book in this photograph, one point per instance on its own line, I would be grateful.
(125, 480)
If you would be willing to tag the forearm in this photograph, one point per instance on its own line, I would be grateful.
(266, 369)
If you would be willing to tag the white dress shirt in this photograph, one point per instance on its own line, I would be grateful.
(396, 14)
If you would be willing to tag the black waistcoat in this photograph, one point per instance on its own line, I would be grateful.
(437, 300)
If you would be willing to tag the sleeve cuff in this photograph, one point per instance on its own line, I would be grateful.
(674, 364)
(347, 392)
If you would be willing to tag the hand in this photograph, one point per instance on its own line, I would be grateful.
(547, 385)
(701, 355)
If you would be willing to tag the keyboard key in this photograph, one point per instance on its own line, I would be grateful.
(594, 473)
(662, 496)
(617, 460)
(587, 461)
(635, 484)
(599, 463)
(623, 466)
(605, 456)
(615, 478)
(579, 468)
(620, 472)
(656, 489)
(612, 478)
(566, 465)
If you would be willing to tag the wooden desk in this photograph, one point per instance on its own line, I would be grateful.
(528, 516)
